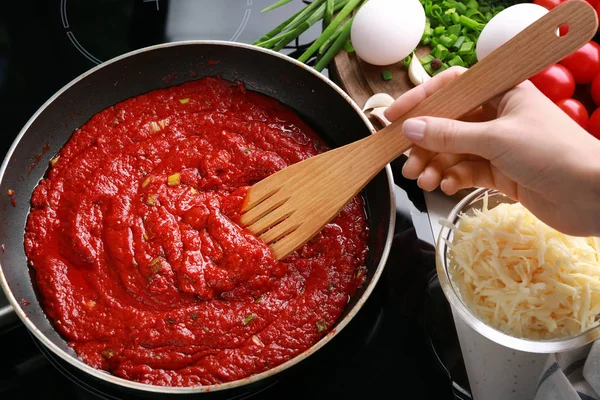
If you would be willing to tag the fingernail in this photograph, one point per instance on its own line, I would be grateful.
(443, 183)
(414, 129)
(419, 179)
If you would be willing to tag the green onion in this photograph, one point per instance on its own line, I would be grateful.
(452, 24)
(348, 8)
(174, 180)
(328, 13)
(296, 32)
(330, 41)
(279, 28)
(247, 319)
(447, 40)
(454, 30)
(306, 13)
(386, 75)
(472, 4)
(465, 48)
(455, 18)
(321, 325)
(469, 23)
(456, 61)
(427, 59)
(461, 8)
(335, 47)
(348, 46)
(407, 61)
(428, 69)
(458, 43)
(274, 6)
(440, 52)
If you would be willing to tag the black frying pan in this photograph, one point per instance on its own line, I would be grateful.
(320, 102)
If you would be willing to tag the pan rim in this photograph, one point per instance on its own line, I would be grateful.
(341, 324)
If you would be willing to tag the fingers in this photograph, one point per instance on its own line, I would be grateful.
(442, 135)
(477, 173)
(410, 99)
(431, 176)
(416, 163)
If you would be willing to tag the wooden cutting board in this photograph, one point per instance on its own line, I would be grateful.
(361, 80)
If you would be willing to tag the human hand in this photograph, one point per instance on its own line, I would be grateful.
(520, 143)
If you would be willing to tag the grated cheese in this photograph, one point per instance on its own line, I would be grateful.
(523, 277)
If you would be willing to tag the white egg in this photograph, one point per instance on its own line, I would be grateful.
(386, 31)
(505, 25)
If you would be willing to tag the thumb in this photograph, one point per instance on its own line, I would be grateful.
(443, 135)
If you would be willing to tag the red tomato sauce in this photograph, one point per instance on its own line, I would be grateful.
(138, 257)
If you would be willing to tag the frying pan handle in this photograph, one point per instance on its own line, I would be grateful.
(8, 318)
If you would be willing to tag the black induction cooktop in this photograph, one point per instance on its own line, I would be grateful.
(402, 343)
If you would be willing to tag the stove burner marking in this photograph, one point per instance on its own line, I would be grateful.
(242, 24)
(81, 49)
(63, 14)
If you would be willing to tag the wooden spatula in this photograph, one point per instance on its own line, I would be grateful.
(287, 208)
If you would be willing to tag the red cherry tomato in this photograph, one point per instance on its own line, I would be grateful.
(575, 110)
(547, 4)
(594, 124)
(593, 3)
(584, 64)
(556, 82)
(596, 90)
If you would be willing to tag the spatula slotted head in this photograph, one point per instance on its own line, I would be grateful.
(289, 207)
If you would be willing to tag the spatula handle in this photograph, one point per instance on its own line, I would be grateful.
(531, 51)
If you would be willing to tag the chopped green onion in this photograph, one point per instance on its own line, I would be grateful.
(428, 69)
(274, 6)
(321, 325)
(151, 199)
(460, 8)
(147, 181)
(440, 52)
(426, 60)
(456, 61)
(184, 101)
(348, 46)
(108, 353)
(174, 180)
(386, 75)
(465, 48)
(469, 23)
(473, 4)
(458, 43)
(407, 61)
(447, 40)
(439, 30)
(455, 18)
(454, 30)
(247, 319)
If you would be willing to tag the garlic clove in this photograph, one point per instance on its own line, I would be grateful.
(378, 100)
(416, 72)
(378, 113)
